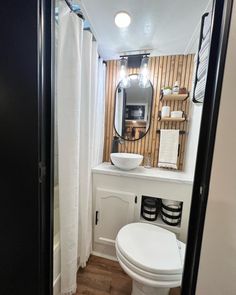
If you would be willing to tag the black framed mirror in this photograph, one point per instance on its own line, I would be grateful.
(133, 109)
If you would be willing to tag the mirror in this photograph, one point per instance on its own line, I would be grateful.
(133, 108)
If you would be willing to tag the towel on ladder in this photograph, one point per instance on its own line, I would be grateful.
(168, 151)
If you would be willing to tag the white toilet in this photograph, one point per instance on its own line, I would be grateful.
(151, 256)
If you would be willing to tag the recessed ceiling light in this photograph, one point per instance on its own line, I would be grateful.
(122, 19)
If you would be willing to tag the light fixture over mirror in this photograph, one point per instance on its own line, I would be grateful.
(144, 73)
(134, 61)
(124, 77)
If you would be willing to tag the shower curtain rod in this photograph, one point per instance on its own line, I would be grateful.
(79, 13)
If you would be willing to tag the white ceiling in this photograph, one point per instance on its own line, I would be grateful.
(165, 26)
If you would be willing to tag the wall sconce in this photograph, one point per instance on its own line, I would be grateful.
(144, 73)
(124, 78)
(134, 61)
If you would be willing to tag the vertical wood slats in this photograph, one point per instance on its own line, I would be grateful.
(164, 71)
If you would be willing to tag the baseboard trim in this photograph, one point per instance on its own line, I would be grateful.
(95, 253)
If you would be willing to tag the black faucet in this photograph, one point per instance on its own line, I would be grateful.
(115, 145)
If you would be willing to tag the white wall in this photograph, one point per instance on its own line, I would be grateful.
(217, 272)
(193, 135)
(194, 122)
(195, 109)
(192, 46)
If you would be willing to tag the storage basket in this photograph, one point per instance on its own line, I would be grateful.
(171, 212)
(150, 208)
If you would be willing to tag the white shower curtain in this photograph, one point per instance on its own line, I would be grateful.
(91, 138)
(70, 34)
(81, 111)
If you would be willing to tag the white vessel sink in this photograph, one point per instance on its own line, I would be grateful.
(126, 161)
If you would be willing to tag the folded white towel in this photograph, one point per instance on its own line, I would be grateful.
(168, 152)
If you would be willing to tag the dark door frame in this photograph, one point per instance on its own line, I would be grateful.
(219, 39)
(26, 210)
(46, 19)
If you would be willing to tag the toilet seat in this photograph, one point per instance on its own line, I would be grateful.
(146, 274)
(150, 254)
(148, 281)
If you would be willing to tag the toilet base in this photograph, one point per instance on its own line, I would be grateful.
(140, 289)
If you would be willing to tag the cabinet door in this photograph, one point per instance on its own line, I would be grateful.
(114, 209)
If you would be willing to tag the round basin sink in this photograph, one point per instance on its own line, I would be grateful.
(126, 161)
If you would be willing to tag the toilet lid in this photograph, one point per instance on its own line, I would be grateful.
(150, 248)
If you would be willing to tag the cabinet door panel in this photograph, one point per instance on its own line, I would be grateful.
(114, 210)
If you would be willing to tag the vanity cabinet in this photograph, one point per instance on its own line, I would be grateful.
(113, 210)
(117, 200)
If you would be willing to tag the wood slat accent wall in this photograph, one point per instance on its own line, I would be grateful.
(164, 71)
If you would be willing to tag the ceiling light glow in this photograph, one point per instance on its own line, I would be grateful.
(122, 19)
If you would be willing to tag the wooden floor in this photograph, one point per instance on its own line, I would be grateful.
(102, 277)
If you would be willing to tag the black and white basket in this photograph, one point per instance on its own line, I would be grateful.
(150, 208)
(171, 212)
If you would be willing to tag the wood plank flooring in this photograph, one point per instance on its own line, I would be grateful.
(102, 277)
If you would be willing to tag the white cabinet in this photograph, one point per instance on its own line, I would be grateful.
(117, 199)
(113, 210)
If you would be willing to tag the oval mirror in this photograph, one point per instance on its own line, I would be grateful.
(133, 109)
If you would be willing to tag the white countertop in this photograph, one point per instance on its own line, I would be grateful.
(144, 173)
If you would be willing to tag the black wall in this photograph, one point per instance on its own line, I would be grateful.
(24, 215)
